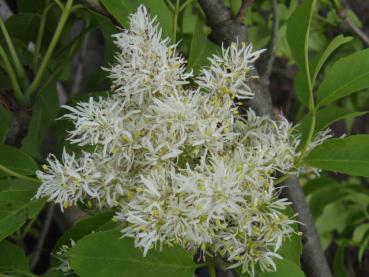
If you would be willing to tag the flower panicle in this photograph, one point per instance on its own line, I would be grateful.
(178, 163)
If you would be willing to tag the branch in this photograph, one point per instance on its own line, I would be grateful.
(313, 259)
(96, 6)
(43, 235)
(363, 36)
(226, 29)
(343, 14)
(273, 43)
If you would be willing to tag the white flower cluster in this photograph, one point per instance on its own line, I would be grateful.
(175, 158)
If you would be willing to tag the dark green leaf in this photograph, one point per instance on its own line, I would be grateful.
(107, 254)
(339, 262)
(324, 118)
(285, 268)
(298, 27)
(84, 227)
(121, 9)
(23, 26)
(201, 47)
(44, 112)
(34, 6)
(345, 155)
(348, 75)
(108, 30)
(12, 259)
(17, 206)
(302, 87)
(333, 45)
(362, 248)
(324, 197)
(317, 184)
(16, 160)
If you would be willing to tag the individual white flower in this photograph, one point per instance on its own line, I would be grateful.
(146, 63)
(319, 138)
(64, 267)
(67, 182)
(228, 75)
(89, 176)
(272, 142)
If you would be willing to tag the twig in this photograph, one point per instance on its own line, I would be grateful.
(242, 11)
(343, 14)
(273, 42)
(363, 36)
(96, 6)
(44, 232)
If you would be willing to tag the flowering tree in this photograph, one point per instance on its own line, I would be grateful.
(177, 164)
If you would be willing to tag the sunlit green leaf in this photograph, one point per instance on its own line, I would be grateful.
(348, 75)
(324, 118)
(16, 160)
(107, 254)
(345, 155)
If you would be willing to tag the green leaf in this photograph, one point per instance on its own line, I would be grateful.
(323, 197)
(107, 254)
(333, 45)
(17, 23)
(108, 30)
(360, 232)
(201, 47)
(317, 184)
(362, 248)
(298, 27)
(16, 160)
(324, 118)
(292, 249)
(5, 120)
(285, 268)
(17, 206)
(12, 259)
(121, 9)
(339, 262)
(302, 87)
(44, 112)
(84, 227)
(345, 155)
(335, 217)
(348, 75)
(34, 6)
